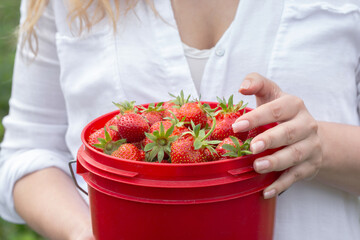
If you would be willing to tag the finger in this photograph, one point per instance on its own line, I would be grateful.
(279, 110)
(289, 156)
(264, 89)
(289, 177)
(284, 134)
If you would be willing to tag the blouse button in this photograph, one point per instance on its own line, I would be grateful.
(220, 52)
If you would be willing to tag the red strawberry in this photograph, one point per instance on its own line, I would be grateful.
(170, 107)
(112, 121)
(126, 107)
(221, 151)
(153, 113)
(194, 148)
(183, 151)
(98, 139)
(142, 155)
(156, 126)
(174, 105)
(158, 142)
(226, 117)
(152, 117)
(233, 148)
(224, 129)
(253, 132)
(178, 128)
(194, 112)
(129, 151)
(132, 127)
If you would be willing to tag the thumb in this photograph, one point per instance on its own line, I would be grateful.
(264, 89)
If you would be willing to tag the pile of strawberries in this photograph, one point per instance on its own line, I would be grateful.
(177, 131)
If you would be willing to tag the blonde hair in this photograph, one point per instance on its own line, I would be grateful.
(78, 10)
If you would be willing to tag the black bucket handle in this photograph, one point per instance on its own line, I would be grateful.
(74, 178)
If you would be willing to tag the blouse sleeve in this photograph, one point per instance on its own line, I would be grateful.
(358, 87)
(37, 122)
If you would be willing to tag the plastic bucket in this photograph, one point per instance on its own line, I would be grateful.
(139, 200)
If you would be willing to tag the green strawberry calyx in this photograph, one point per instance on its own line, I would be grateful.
(152, 107)
(200, 137)
(126, 106)
(107, 144)
(238, 150)
(180, 99)
(228, 106)
(161, 143)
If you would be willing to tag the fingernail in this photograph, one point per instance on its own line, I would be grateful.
(245, 84)
(261, 165)
(241, 125)
(269, 194)
(257, 147)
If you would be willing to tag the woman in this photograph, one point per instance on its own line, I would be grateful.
(89, 55)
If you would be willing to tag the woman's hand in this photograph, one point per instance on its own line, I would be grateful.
(297, 131)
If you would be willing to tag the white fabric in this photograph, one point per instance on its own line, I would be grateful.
(310, 48)
(197, 59)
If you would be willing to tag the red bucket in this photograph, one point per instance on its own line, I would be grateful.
(134, 200)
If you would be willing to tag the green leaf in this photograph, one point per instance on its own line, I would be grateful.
(230, 154)
(243, 106)
(201, 134)
(235, 141)
(161, 128)
(197, 144)
(169, 131)
(151, 137)
(231, 102)
(229, 147)
(160, 155)
(213, 142)
(246, 152)
(107, 135)
(168, 149)
(197, 129)
(172, 139)
(102, 141)
(156, 134)
(115, 128)
(149, 146)
(153, 153)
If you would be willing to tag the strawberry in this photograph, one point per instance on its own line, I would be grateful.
(130, 152)
(195, 112)
(169, 107)
(179, 127)
(153, 113)
(126, 107)
(112, 121)
(233, 148)
(174, 105)
(159, 142)
(226, 117)
(221, 151)
(132, 127)
(183, 151)
(156, 126)
(253, 132)
(103, 139)
(195, 148)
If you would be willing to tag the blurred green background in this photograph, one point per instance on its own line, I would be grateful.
(9, 19)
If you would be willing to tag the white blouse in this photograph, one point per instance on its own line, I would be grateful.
(196, 59)
(310, 48)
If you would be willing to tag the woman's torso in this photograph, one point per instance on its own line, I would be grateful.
(309, 48)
